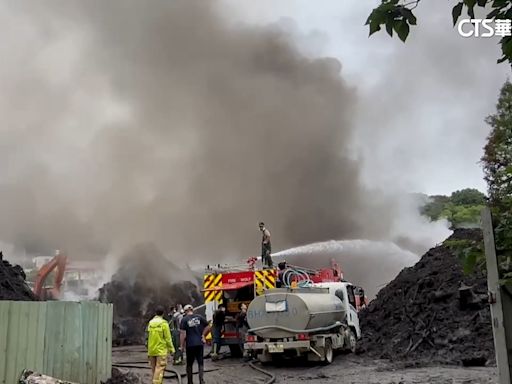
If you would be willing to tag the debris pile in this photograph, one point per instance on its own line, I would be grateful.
(119, 377)
(145, 280)
(31, 377)
(432, 312)
(12, 282)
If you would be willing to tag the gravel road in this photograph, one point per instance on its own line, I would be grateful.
(347, 369)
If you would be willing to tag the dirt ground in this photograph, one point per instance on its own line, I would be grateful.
(349, 369)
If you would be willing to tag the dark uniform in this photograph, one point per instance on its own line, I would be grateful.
(266, 248)
(242, 326)
(194, 325)
(219, 318)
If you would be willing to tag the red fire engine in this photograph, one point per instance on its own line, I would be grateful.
(234, 285)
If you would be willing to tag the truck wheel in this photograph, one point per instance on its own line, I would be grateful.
(352, 341)
(328, 352)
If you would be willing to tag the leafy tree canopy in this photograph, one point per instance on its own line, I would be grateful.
(397, 16)
(467, 197)
(497, 164)
(497, 158)
(461, 209)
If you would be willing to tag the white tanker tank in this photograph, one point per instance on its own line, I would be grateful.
(285, 312)
(312, 321)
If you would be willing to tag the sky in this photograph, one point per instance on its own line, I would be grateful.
(182, 124)
(424, 130)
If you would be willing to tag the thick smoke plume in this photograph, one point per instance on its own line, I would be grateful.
(128, 122)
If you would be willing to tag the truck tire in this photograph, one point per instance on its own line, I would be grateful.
(235, 350)
(352, 341)
(328, 352)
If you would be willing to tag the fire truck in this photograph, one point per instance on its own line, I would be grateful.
(234, 285)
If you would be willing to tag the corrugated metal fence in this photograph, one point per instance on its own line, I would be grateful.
(67, 340)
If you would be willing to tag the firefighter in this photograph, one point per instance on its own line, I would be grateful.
(266, 247)
(281, 269)
(174, 323)
(194, 329)
(159, 345)
(242, 326)
(218, 324)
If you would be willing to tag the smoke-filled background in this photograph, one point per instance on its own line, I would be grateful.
(127, 122)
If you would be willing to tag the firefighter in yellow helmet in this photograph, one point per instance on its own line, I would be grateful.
(159, 344)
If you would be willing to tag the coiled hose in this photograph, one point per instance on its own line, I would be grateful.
(296, 275)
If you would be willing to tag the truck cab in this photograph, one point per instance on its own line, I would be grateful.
(346, 293)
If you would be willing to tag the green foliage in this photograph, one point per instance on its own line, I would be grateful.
(466, 216)
(461, 209)
(497, 158)
(468, 197)
(398, 15)
(497, 165)
(503, 239)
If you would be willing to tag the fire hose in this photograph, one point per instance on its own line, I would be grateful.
(176, 374)
(296, 275)
(266, 373)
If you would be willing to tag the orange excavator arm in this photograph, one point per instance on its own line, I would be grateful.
(59, 262)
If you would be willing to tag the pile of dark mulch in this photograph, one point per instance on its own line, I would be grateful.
(145, 280)
(423, 317)
(118, 377)
(12, 283)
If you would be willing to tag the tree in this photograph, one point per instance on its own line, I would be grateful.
(497, 158)
(461, 209)
(397, 16)
(497, 165)
(468, 196)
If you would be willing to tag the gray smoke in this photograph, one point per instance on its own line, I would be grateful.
(128, 122)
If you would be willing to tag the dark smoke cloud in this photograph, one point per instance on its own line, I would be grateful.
(128, 122)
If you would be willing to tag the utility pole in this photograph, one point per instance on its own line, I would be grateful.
(500, 299)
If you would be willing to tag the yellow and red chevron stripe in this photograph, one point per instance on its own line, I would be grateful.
(212, 281)
(265, 279)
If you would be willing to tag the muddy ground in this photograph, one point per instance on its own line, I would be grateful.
(349, 369)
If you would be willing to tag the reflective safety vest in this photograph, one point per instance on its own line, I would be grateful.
(159, 337)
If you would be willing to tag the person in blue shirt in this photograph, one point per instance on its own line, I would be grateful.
(194, 329)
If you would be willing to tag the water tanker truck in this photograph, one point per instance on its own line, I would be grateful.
(311, 321)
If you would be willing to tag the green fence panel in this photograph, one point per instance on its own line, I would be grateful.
(22, 327)
(4, 328)
(90, 332)
(67, 340)
(102, 353)
(54, 339)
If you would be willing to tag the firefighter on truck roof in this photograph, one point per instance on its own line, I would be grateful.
(266, 247)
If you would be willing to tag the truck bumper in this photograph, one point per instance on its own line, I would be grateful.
(277, 347)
